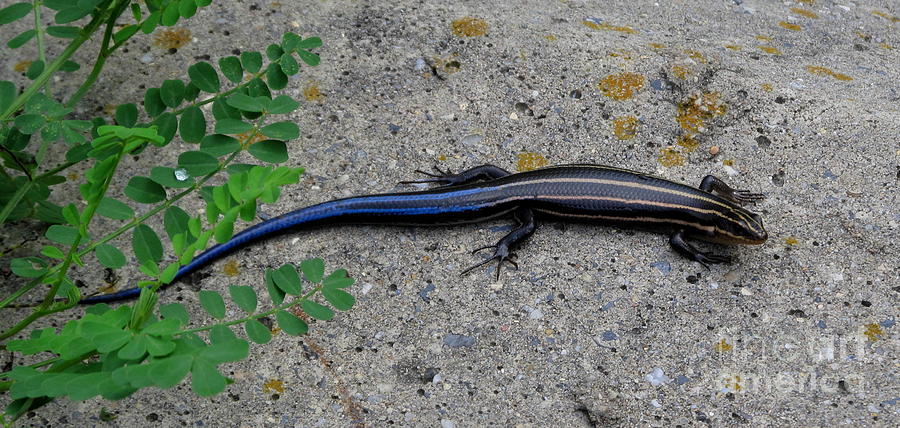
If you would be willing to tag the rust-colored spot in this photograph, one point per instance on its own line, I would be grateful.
(733, 47)
(823, 71)
(681, 71)
(669, 157)
(789, 26)
(469, 27)
(766, 87)
(72, 176)
(273, 385)
(770, 50)
(312, 92)
(656, 45)
(763, 38)
(885, 46)
(722, 346)
(621, 54)
(885, 16)
(808, 2)
(449, 63)
(250, 138)
(442, 157)
(625, 127)
(697, 109)
(621, 86)
(22, 66)
(172, 38)
(109, 109)
(688, 142)
(790, 240)
(728, 162)
(231, 268)
(608, 27)
(696, 56)
(805, 12)
(550, 37)
(874, 332)
(529, 161)
(734, 383)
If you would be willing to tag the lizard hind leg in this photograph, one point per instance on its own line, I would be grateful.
(502, 253)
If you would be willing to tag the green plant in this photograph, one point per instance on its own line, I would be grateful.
(113, 352)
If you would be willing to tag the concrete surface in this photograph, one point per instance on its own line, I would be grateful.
(600, 326)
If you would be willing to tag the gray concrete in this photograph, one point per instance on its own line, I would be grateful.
(600, 326)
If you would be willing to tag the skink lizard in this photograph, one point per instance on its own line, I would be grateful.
(577, 192)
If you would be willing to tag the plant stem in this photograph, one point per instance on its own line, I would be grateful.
(104, 53)
(283, 306)
(14, 201)
(39, 30)
(53, 67)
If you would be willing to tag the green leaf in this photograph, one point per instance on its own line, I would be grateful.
(308, 57)
(175, 221)
(287, 279)
(244, 297)
(52, 252)
(206, 381)
(231, 69)
(281, 130)
(290, 324)
(109, 256)
(256, 87)
(219, 145)
(170, 371)
(226, 351)
(175, 311)
(224, 231)
(72, 13)
(21, 39)
(69, 66)
(114, 209)
(29, 123)
(272, 151)
(198, 163)
(165, 176)
(165, 327)
(63, 32)
(193, 125)
(289, 41)
(171, 14)
(289, 65)
(151, 22)
(146, 244)
(257, 332)
(14, 12)
(62, 234)
(273, 52)
(310, 43)
(338, 298)
(337, 279)
(135, 349)
(144, 190)
(232, 126)
(8, 93)
(126, 115)
(221, 334)
(275, 292)
(204, 76)
(172, 92)
(313, 269)
(212, 303)
(167, 124)
(282, 104)
(153, 104)
(28, 267)
(246, 103)
(275, 77)
(160, 346)
(317, 311)
(252, 61)
(125, 33)
(221, 110)
(187, 8)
